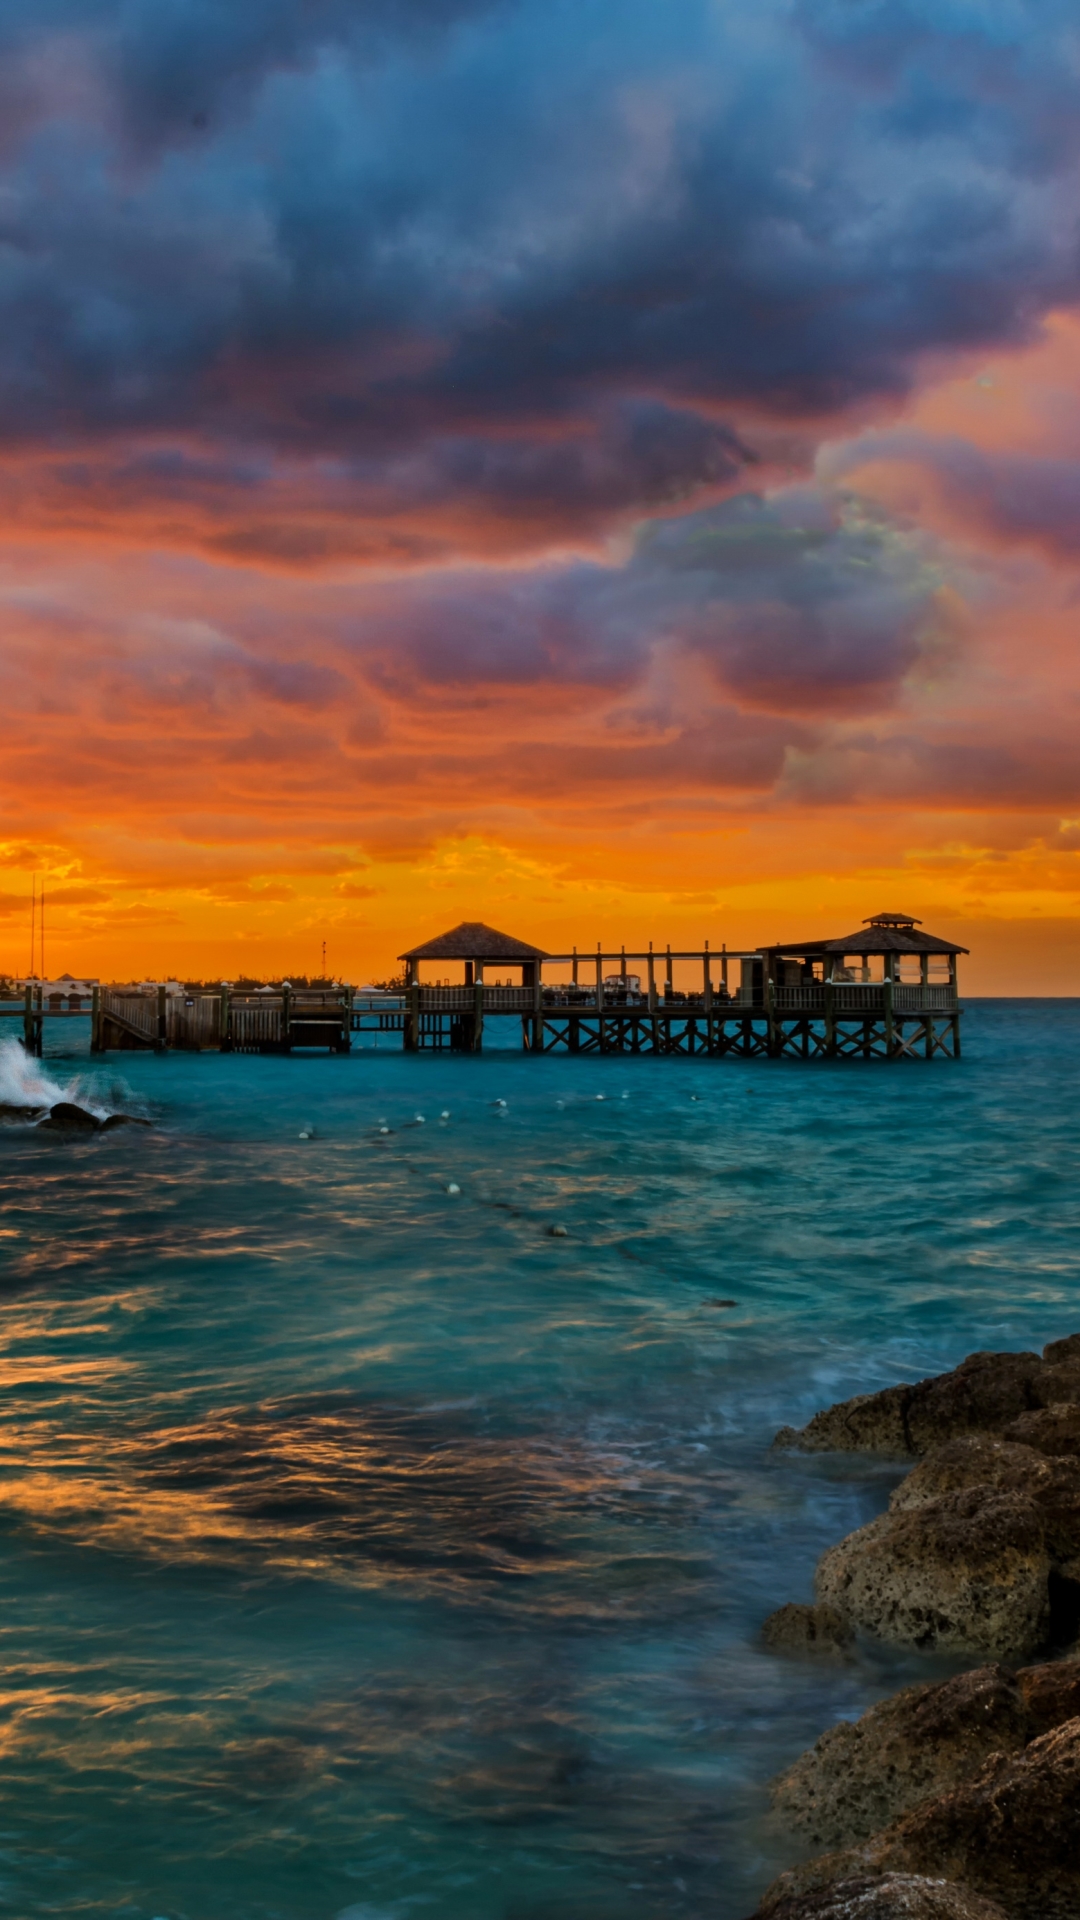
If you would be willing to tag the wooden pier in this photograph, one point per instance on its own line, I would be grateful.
(123, 1019)
(870, 995)
(886, 992)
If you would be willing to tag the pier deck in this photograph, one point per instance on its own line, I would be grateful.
(872, 995)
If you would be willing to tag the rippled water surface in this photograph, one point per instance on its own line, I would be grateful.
(372, 1550)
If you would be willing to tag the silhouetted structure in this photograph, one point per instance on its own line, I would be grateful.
(887, 991)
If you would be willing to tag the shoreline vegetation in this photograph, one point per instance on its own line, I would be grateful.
(958, 1800)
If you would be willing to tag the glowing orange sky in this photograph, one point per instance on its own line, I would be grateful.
(371, 628)
(198, 805)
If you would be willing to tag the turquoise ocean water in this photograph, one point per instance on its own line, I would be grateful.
(369, 1550)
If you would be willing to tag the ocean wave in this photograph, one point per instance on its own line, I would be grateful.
(27, 1091)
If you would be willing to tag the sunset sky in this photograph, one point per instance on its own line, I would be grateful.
(607, 467)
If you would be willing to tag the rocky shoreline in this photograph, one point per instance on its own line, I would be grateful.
(958, 1800)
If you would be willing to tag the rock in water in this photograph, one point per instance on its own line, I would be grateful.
(1067, 1351)
(800, 1629)
(892, 1896)
(70, 1118)
(986, 1393)
(982, 1395)
(981, 1460)
(969, 1573)
(114, 1120)
(862, 1775)
(1009, 1834)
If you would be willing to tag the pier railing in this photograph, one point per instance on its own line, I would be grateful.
(866, 997)
(135, 1013)
(848, 997)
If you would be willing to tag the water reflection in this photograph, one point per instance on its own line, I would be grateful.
(369, 1550)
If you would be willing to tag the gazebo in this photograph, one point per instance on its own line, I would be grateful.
(479, 946)
(893, 938)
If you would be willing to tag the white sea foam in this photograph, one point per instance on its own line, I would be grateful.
(25, 1083)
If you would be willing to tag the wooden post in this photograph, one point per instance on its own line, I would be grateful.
(573, 975)
(669, 978)
(723, 970)
(954, 984)
(478, 1012)
(887, 998)
(162, 1041)
(769, 962)
(538, 1009)
(652, 1002)
(599, 979)
(830, 1014)
(708, 980)
(225, 1022)
(412, 1017)
(286, 1019)
(28, 1020)
(95, 1020)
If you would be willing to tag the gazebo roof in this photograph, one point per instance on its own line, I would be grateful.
(474, 941)
(881, 933)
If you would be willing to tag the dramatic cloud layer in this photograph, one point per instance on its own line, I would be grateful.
(632, 448)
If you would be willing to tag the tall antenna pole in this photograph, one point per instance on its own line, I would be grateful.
(33, 920)
(324, 959)
(41, 937)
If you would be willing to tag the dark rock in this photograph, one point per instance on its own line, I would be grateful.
(1009, 1833)
(1053, 1430)
(981, 1460)
(9, 1112)
(870, 1423)
(863, 1775)
(70, 1118)
(1067, 1349)
(969, 1573)
(890, 1896)
(1059, 1385)
(982, 1395)
(114, 1120)
(1051, 1694)
(978, 1460)
(800, 1629)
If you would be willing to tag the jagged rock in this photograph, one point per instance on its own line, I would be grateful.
(870, 1423)
(862, 1775)
(1051, 1694)
(66, 1116)
(891, 1896)
(801, 1629)
(1052, 1429)
(982, 1395)
(969, 1573)
(982, 1460)
(1067, 1350)
(10, 1112)
(1009, 1833)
